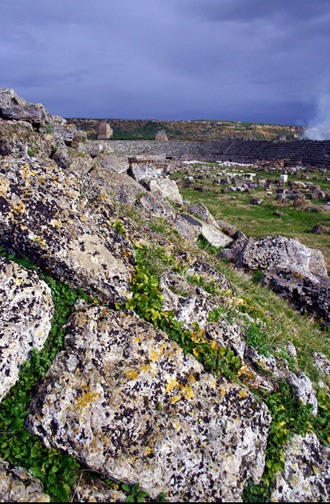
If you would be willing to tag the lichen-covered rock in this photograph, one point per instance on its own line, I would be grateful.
(127, 402)
(306, 476)
(202, 212)
(18, 485)
(307, 293)
(144, 169)
(157, 205)
(191, 227)
(227, 335)
(167, 188)
(283, 253)
(95, 491)
(26, 309)
(302, 388)
(15, 108)
(322, 363)
(191, 308)
(62, 222)
(118, 186)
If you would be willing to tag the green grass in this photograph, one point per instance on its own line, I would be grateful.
(259, 220)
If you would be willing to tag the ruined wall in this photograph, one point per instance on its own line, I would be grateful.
(306, 152)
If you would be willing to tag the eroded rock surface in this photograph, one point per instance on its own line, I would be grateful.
(127, 402)
(283, 253)
(18, 485)
(63, 223)
(306, 477)
(26, 309)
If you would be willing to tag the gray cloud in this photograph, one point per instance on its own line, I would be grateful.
(174, 59)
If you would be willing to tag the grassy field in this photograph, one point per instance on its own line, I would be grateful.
(260, 220)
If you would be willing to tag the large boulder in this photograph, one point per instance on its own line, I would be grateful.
(283, 253)
(141, 169)
(306, 473)
(15, 108)
(309, 294)
(26, 309)
(62, 222)
(167, 188)
(128, 403)
(191, 228)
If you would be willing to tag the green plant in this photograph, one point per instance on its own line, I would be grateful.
(119, 227)
(256, 337)
(215, 314)
(203, 244)
(135, 494)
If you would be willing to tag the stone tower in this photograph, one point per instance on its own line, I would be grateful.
(105, 131)
(161, 136)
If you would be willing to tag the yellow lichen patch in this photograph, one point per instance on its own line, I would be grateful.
(242, 394)
(132, 374)
(222, 391)
(87, 399)
(191, 378)
(154, 356)
(146, 367)
(149, 451)
(55, 223)
(137, 339)
(188, 392)
(175, 399)
(171, 383)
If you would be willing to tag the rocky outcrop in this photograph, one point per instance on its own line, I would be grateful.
(26, 309)
(18, 485)
(309, 294)
(306, 474)
(13, 107)
(167, 188)
(128, 402)
(51, 216)
(282, 253)
(191, 228)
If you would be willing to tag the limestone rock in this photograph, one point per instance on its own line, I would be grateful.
(127, 402)
(283, 253)
(15, 108)
(193, 307)
(167, 188)
(51, 216)
(118, 186)
(140, 170)
(227, 335)
(95, 491)
(18, 485)
(26, 309)
(202, 212)
(161, 136)
(306, 474)
(105, 131)
(157, 205)
(302, 388)
(322, 363)
(307, 293)
(191, 227)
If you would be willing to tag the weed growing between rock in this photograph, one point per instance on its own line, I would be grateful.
(147, 302)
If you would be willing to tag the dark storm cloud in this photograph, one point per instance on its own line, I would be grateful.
(219, 59)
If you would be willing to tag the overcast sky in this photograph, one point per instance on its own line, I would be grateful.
(249, 60)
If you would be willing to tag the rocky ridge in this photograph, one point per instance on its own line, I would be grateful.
(154, 383)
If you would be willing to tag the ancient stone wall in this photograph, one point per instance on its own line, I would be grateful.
(305, 152)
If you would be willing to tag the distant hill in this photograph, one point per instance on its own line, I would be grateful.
(126, 129)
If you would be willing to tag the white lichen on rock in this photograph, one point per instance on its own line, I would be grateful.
(127, 402)
(26, 308)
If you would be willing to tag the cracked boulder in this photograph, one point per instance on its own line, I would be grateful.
(306, 475)
(191, 228)
(283, 253)
(128, 403)
(26, 309)
(63, 223)
(18, 485)
(189, 303)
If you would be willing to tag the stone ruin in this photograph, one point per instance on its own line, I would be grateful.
(105, 131)
(161, 136)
